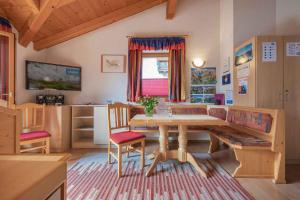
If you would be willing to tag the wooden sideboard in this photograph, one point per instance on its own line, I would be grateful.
(33, 177)
(58, 124)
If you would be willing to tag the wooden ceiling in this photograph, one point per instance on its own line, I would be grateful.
(50, 22)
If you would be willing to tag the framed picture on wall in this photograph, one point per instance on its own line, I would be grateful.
(111, 63)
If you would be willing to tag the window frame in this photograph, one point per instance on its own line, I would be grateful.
(157, 55)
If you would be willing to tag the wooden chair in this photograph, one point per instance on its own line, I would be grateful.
(121, 135)
(33, 133)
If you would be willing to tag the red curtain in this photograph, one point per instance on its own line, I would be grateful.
(4, 48)
(134, 75)
(176, 47)
(177, 75)
(3, 67)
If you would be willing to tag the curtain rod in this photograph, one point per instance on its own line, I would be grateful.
(155, 36)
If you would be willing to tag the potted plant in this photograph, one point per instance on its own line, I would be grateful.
(149, 104)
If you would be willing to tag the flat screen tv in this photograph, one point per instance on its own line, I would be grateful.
(40, 76)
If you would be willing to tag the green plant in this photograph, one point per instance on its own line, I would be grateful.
(149, 104)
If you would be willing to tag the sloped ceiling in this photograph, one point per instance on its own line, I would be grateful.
(50, 22)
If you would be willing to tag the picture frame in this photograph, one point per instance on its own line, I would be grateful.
(113, 63)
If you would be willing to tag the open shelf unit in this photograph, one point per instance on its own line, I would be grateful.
(83, 127)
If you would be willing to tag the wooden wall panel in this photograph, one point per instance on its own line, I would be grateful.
(292, 103)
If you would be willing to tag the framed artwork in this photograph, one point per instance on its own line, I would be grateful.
(226, 79)
(244, 55)
(111, 63)
(203, 76)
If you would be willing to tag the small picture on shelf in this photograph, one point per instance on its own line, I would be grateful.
(197, 90)
(203, 76)
(209, 90)
(202, 98)
(197, 98)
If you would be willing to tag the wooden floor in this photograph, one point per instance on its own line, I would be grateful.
(261, 189)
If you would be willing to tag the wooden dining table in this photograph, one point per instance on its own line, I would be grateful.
(182, 121)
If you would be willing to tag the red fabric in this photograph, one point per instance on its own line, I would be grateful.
(134, 75)
(254, 120)
(155, 87)
(126, 136)
(3, 67)
(176, 71)
(34, 135)
(218, 113)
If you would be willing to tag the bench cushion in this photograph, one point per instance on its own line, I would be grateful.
(254, 120)
(34, 135)
(218, 113)
(191, 111)
(235, 137)
(126, 136)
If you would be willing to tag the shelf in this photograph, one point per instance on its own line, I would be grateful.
(83, 129)
(84, 117)
(84, 143)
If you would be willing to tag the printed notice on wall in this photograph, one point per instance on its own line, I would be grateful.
(243, 86)
(228, 97)
(293, 49)
(243, 70)
(269, 51)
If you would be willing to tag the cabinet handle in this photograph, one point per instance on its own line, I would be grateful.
(286, 95)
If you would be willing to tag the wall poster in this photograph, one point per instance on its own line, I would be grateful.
(244, 55)
(269, 51)
(243, 85)
(293, 49)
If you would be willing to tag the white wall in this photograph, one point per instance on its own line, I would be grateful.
(199, 19)
(288, 17)
(226, 40)
(22, 54)
(253, 17)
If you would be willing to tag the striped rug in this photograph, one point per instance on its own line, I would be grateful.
(92, 178)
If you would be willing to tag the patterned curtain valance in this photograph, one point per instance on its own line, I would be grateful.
(162, 43)
(5, 25)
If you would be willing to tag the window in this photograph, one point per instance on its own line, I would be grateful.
(155, 74)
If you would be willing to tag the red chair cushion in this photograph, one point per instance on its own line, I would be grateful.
(126, 136)
(34, 135)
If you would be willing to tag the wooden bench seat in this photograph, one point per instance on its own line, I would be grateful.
(257, 137)
(238, 139)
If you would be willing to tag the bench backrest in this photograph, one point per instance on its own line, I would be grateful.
(266, 124)
(217, 111)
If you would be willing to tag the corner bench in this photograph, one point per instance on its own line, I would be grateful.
(257, 137)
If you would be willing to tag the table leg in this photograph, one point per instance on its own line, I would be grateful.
(183, 155)
(163, 141)
(182, 141)
(162, 154)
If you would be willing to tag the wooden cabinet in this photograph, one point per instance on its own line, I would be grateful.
(58, 124)
(7, 69)
(275, 84)
(264, 78)
(101, 126)
(292, 97)
(89, 126)
(10, 128)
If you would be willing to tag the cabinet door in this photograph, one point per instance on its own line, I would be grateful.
(100, 125)
(7, 69)
(292, 98)
(269, 73)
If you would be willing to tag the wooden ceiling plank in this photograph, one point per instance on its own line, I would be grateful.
(171, 9)
(65, 2)
(33, 25)
(96, 23)
(34, 5)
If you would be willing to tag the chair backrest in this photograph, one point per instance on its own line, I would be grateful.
(10, 127)
(118, 117)
(33, 116)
